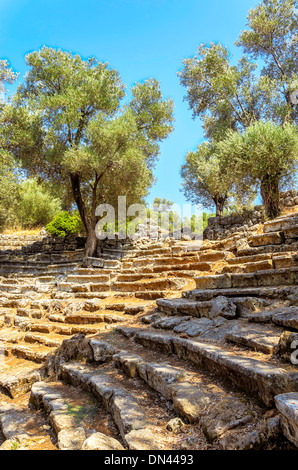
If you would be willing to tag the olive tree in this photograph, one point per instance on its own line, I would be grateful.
(86, 134)
(205, 180)
(266, 155)
(272, 37)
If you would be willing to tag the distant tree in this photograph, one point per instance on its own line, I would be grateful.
(272, 37)
(266, 156)
(86, 134)
(205, 181)
(162, 205)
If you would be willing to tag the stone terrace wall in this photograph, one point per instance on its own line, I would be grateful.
(289, 198)
(51, 244)
(17, 242)
(222, 227)
(40, 243)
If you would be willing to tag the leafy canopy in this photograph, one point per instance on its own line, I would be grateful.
(272, 37)
(264, 150)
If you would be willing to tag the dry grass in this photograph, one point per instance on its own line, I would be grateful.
(21, 231)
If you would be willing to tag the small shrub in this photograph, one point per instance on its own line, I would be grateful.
(64, 224)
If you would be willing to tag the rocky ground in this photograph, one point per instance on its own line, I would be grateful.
(163, 345)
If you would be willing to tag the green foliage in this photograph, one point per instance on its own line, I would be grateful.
(7, 76)
(208, 179)
(162, 204)
(154, 117)
(8, 189)
(64, 224)
(232, 97)
(266, 157)
(263, 149)
(223, 95)
(204, 176)
(82, 138)
(272, 37)
(36, 205)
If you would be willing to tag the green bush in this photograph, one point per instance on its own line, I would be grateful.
(36, 206)
(64, 224)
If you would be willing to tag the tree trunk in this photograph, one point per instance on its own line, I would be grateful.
(90, 224)
(91, 244)
(88, 221)
(219, 202)
(270, 196)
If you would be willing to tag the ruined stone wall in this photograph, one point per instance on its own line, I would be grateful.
(17, 242)
(40, 243)
(289, 198)
(222, 227)
(246, 222)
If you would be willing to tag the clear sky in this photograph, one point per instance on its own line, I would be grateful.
(141, 39)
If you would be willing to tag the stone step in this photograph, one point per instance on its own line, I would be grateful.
(249, 267)
(10, 288)
(23, 429)
(36, 314)
(276, 277)
(287, 405)
(46, 279)
(153, 252)
(287, 318)
(277, 249)
(163, 261)
(94, 278)
(49, 341)
(249, 259)
(126, 308)
(280, 223)
(258, 377)
(152, 285)
(153, 295)
(291, 232)
(197, 399)
(67, 329)
(287, 260)
(103, 263)
(17, 378)
(91, 318)
(258, 337)
(33, 353)
(119, 402)
(271, 238)
(282, 316)
(175, 268)
(271, 293)
(215, 255)
(135, 277)
(72, 415)
(94, 271)
(245, 306)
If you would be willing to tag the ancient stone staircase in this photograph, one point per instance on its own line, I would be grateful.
(165, 345)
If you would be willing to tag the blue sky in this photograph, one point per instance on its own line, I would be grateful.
(141, 39)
